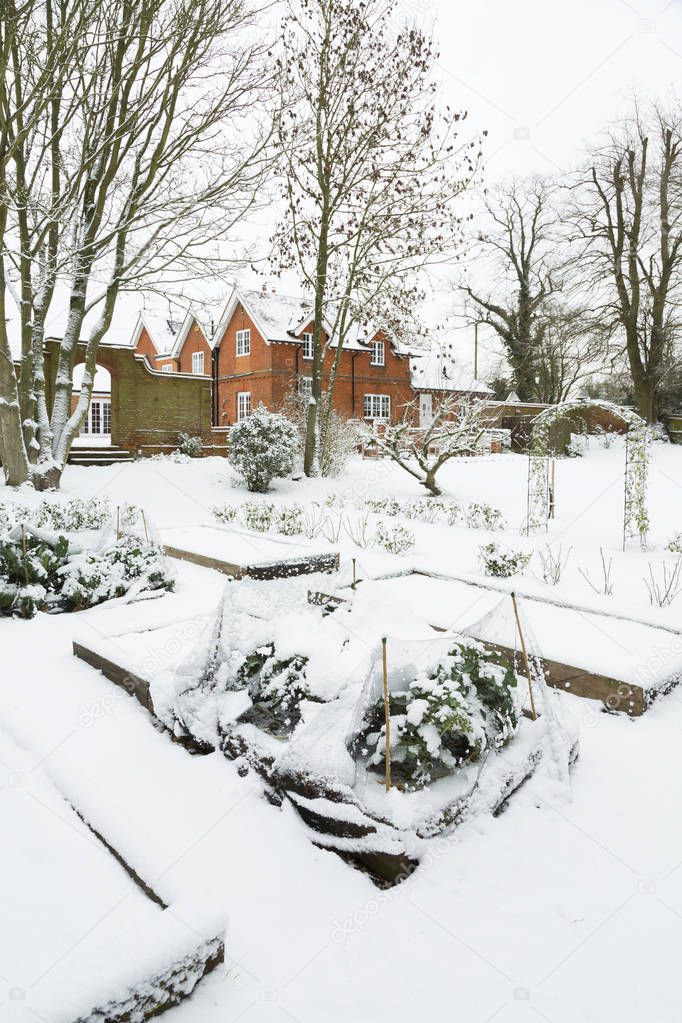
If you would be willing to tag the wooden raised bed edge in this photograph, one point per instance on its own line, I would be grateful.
(615, 695)
(271, 570)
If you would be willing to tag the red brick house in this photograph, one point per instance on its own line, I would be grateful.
(262, 352)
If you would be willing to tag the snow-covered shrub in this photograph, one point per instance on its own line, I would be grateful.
(331, 528)
(188, 445)
(314, 519)
(357, 530)
(384, 506)
(577, 445)
(262, 447)
(225, 513)
(484, 516)
(257, 515)
(276, 687)
(70, 516)
(289, 519)
(446, 718)
(102, 575)
(665, 585)
(501, 561)
(675, 545)
(394, 539)
(29, 574)
(339, 441)
(553, 563)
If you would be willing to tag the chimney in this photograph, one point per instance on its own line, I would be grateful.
(264, 289)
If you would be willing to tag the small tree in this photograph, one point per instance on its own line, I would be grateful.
(455, 429)
(262, 447)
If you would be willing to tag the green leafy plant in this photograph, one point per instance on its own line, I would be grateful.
(501, 561)
(446, 718)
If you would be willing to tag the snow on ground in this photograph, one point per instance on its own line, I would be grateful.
(562, 909)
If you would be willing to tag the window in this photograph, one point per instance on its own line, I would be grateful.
(244, 342)
(96, 417)
(167, 368)
(307, 346)
(378, 354)
(198, 363)
(377, 406)
(243, 404)
(106, 417)
(305, 388)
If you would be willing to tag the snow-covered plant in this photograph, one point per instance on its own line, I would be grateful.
(331, 528)
(446, 718)
(262, 447)
(394, 539)
(335, 500)
(103, 575)
(70, 516)
(577, 445)
(501, 561)
(666, 585)
(455, 429)
(314, 519)
(605, 587)
(276, 687)
(357, 530)
(29, 573)
(226, 513)
(289, 519)
(188, 445)
(484, 516)
(553, 563)
(257, 515)
(339, 441)
(675, 545)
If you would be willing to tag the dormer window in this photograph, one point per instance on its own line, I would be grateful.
(307, 345)
(244, 342)
(378, 357)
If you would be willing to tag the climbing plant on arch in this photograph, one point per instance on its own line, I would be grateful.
(636, 518)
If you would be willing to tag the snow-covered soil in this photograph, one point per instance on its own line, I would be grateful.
(567, 908)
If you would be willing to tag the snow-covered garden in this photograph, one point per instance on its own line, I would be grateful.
(536, 858)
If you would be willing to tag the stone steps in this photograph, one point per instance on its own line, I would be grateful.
(99, 456)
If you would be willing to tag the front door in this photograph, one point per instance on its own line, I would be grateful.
(425, 410)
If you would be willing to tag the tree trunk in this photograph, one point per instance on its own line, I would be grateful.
(429, 482)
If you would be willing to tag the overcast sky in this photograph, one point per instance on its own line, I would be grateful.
(543, 77)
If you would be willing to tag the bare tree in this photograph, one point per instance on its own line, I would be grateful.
(570, 351)
(520, 242)
(118, 163)
(455, 429)
(628, 215)
(372, 170)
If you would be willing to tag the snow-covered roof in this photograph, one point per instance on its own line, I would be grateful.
(283, 318)
(435, 371)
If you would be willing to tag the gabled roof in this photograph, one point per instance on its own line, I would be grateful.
(283, 318)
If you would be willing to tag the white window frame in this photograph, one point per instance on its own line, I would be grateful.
(167, 368)
(243, 342)
(378, 357)
(305, 388)
(377, 406)
(243, 405)
(308, 350)
(198, 364)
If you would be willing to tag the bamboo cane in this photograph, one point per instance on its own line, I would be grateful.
(144, 523)
(387, 712)
(525, 657)
(352, 586)
(552, 491)
(118, 521)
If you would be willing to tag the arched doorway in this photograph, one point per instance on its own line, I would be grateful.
(96, 430)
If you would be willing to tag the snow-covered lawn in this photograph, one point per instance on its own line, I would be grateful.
(564, 908)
